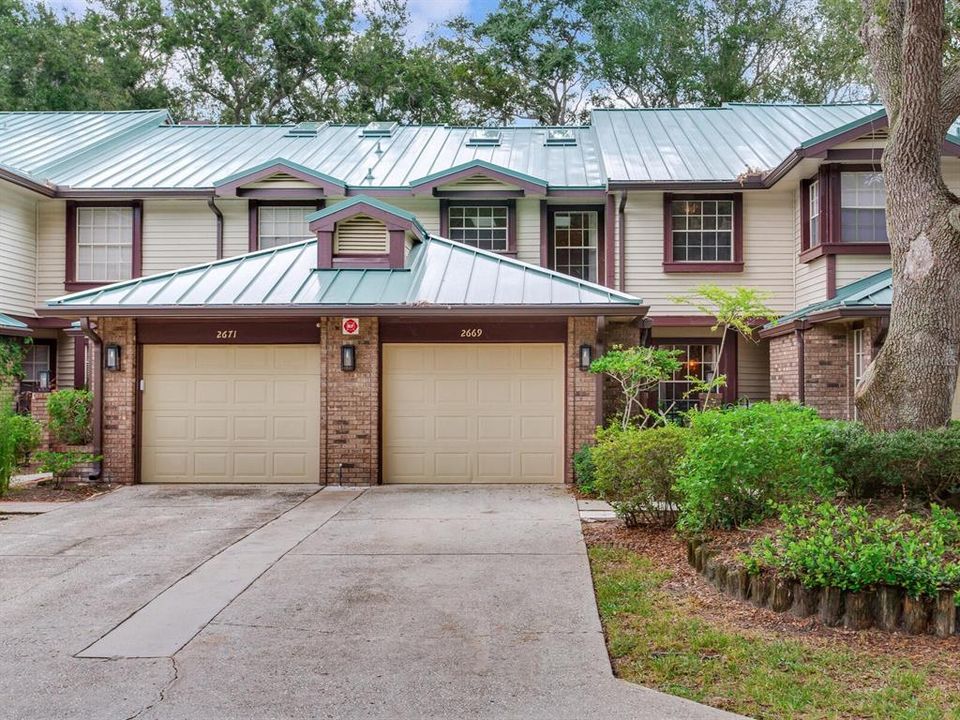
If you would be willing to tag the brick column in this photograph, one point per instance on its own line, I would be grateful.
(582, 396)
(38, 411)
(826, 368)
(785, 368)
(119, 401)
(351, 419)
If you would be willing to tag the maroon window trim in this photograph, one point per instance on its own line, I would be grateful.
(52, 344)
(678, 266)
(510, 204)
(70, 273)
(830, 208)
(552, 210)
(253, 216)
(728, 363)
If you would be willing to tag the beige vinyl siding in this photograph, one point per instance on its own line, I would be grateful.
(176, 234)
(236, 227)
(51, 248)
(854, 267)
(753, 369)
(768, 252)
(528, 231)
(427, 210)
(65, 348)
(18, 250)
(811, 282)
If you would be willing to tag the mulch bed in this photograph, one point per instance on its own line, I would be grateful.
(668, 552)
(44, 491)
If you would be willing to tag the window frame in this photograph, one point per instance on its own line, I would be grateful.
(728, 364)
(43, 342)
(509, 203)
(253, 216)
(600, 210)
(861, 355)
(735, 264)
(829, 178)
(71, 283)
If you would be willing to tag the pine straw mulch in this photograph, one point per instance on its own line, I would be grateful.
(45, 491)
(668, 552)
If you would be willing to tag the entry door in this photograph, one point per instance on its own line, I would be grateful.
(473, 413)
(231, 414)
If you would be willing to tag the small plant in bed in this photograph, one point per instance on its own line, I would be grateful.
(61, 463)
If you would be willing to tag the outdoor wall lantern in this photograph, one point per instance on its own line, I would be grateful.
(112, 357)
(348, 358)
(43, 380)
(586, 356)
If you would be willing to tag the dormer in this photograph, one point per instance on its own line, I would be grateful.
(479, 176)
(279, 177)
(364, 232)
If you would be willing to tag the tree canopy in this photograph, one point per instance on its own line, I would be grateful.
(548, 61)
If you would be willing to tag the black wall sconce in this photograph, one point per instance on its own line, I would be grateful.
(111, 357)
(586, 356)
(348, 358)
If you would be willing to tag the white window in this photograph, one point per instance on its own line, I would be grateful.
(282, 224)
(859, 362)
(699, 361)
(483, 226)
(814, 196)
(863, 217)
(575, 243)
(37, 359)
(104, 244)
(702, 230)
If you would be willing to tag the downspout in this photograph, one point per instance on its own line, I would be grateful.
(212, 204)
(97, 367)
(622, 239)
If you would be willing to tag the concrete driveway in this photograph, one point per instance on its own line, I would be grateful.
(286, 602)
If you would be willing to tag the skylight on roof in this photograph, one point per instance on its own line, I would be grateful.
(379, 129)
(561, 136)
(485, 136)
(306, 129)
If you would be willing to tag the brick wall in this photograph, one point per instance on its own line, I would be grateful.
(784, 363)
(350, 430)
(38, 411)
(119, 401)
(582, 389)
(627, 335)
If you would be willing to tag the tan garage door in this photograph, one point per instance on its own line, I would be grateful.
(224, 414)
(473, 413)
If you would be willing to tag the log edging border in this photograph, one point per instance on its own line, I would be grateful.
(885, 608)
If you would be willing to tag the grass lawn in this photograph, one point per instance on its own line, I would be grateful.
(667, 633)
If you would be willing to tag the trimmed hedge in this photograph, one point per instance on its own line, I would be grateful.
(70, 416)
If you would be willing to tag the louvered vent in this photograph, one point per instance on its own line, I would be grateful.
(361, 235)
(878, 134)
(280, 177)
(478, 180)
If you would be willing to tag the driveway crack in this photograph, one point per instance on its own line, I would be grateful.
(163, 691)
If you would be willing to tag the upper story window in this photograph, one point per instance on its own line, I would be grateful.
(575, 243)
(282, 224)
(863, 217)
(702, 233)
(104, 244)
(482, 226)
(813, 194)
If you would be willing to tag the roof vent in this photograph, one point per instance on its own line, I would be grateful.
(379, 129)
(489, 137)
(561, 136)
(306, 129)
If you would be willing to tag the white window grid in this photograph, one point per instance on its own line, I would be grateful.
(104, 244)
(699, 361)
(862, 207)
(481, 226)
(702, 230)
(37, 358)
(859, 362)
(575, 243)
(279, 225)
(814, 195)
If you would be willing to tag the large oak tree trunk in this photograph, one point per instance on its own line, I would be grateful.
(911, 382)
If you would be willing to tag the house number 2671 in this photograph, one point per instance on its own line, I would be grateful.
(471, 332)
(226, 334)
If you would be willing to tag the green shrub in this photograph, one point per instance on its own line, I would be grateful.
(26, 434)
(923, 464)
(583, 469)
(69, 412)
(61, 463)
(831, 546)
(742, 460)
(8, 446)
(635, 471)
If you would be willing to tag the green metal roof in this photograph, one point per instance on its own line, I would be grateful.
(440, 274)
(10, 324)
(873, 291)
(371, 201)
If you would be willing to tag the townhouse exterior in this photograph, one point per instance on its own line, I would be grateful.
(391, 303)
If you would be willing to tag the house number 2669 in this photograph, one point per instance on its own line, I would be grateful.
(471, 332)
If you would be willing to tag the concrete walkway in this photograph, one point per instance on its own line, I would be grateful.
(395, 602)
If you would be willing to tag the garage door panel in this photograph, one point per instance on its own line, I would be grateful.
(479, 413)
(225, 414)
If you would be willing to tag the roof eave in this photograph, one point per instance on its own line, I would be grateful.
(822, 316)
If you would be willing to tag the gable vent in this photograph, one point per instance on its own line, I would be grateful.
(878, 134)
(361, 235)
(280, 177)
(475, 180)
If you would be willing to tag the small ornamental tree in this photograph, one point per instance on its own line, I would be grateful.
(737, 309)
(636, 370)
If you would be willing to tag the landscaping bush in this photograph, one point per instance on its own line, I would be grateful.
(742, 460)
(61, 463)
(634, 471)
(69, 412)
(583, 470)
(8, 446)
(846, 548)
(26, 434)
(923, 464)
